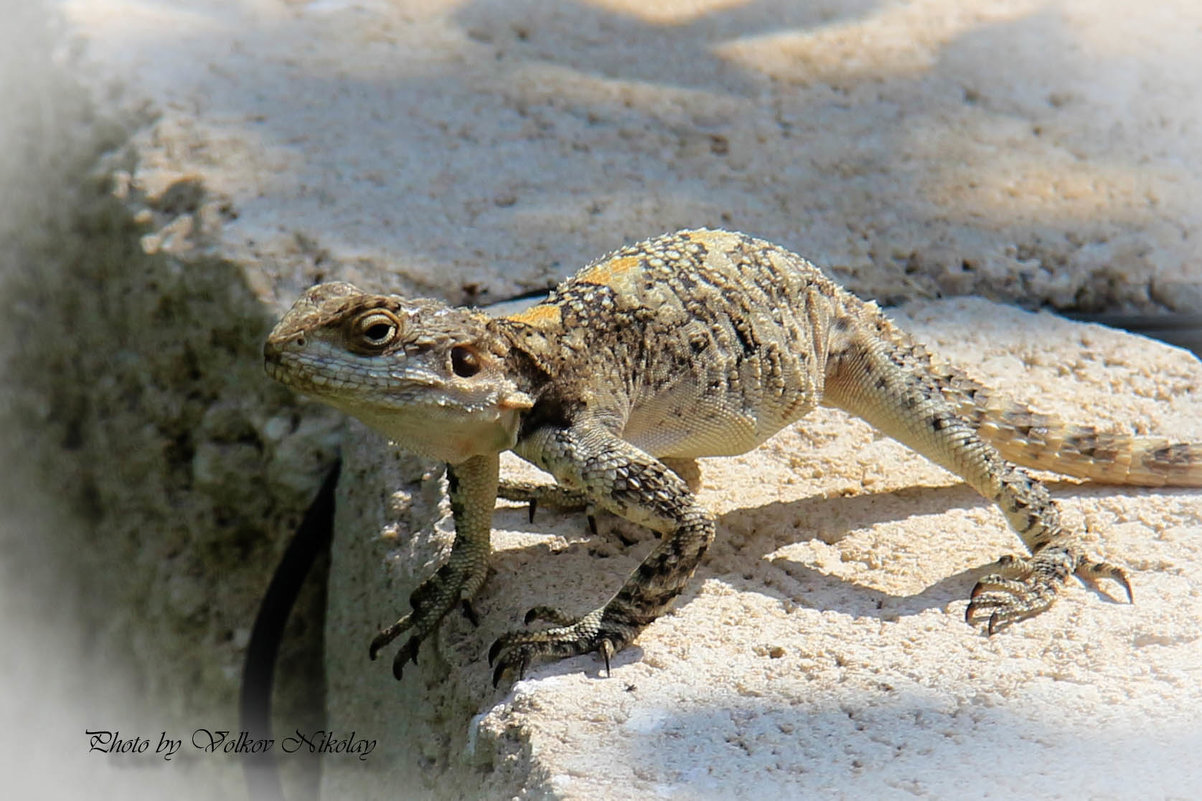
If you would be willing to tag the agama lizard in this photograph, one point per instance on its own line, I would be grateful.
(698, 343)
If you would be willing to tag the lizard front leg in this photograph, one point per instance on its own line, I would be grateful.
(619, 477)
(472, 486)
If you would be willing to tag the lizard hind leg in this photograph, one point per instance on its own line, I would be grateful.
(878, 373)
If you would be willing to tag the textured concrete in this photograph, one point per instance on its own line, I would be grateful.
(176, 172)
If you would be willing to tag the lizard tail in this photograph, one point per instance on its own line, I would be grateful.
(1031, 439)
(1039, 441)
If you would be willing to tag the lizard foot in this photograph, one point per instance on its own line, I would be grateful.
(431, 601)
(550, 495)
(1024, 586)
(593, 632)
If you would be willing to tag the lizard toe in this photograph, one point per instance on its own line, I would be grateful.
(591, 633)
(387, 635)
(1092, 572)
(407, 653)
(1025, 587)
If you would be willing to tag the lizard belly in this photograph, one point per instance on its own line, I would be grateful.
(679, 426)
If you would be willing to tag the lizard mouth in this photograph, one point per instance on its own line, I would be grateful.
(297, 373)
(290, 376)
(312, 376)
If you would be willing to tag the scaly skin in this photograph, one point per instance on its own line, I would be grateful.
(699, 343)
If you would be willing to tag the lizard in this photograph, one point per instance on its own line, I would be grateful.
(691, 344)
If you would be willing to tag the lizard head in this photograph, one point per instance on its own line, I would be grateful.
(429, 376)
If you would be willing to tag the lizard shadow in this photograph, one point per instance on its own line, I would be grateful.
(755, 533)
(742, 555)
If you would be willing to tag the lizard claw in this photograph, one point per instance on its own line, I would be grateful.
(607, 650)
(536, 495)
(493, 650)
(1090, 572)
(469, 612)
(408, 653)
(1023, 587)
(499, 671)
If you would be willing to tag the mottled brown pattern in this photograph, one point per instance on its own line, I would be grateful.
(698, 343)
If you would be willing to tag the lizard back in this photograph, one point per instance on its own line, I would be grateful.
(697, 343)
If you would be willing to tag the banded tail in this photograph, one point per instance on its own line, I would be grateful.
(1043, 442)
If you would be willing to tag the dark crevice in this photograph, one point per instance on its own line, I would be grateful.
(311, 540)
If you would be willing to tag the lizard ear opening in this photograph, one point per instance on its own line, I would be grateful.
(464, 361)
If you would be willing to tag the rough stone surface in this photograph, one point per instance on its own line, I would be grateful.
(176, 172)
(152, 475)
(1027, 150)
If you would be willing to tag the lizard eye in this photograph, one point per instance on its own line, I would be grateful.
(376, 329)
(464, 361)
